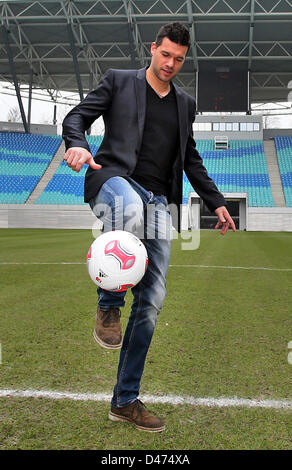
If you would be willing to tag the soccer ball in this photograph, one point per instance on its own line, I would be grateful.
(117, 261)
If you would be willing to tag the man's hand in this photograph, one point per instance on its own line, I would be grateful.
(77, 156)
(224, 219)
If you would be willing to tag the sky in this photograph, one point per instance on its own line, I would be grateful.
(41, 111)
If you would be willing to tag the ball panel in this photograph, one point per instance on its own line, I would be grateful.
(117, 260)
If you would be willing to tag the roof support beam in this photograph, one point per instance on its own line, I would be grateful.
(75, 61)
(29, 98)
(135, 41)
(26, 50)
(86, 47)
(130, 35)
(251, 31)
(250, 46)
(72, 46)
(193, 36)
(193, 46)
(14, 76)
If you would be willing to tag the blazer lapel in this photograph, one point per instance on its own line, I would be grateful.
(182, 119)
(140, 85)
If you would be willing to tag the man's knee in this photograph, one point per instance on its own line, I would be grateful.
(156, 297)
(119, 208)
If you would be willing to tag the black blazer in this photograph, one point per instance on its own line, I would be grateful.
(120, 98)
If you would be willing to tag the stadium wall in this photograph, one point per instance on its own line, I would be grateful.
(208, 127)
(271, 133)
(47, 216)
(45, 129)
(276, 219)
(270, 219)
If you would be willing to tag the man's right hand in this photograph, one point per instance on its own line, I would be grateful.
(77, 156)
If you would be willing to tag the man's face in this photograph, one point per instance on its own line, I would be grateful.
(167, 59)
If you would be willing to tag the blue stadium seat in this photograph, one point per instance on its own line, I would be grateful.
(284, 154)
(23, 160)
(241, 168)
(67, 186)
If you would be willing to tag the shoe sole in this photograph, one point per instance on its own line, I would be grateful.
(114, 417)
(106, 345)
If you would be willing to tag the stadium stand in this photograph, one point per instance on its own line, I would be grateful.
(66, 186)
(23, 160)
(241, 168)
(284, 154)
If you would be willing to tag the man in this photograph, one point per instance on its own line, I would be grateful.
(147, 144)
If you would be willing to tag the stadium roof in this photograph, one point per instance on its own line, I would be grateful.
(67, 45)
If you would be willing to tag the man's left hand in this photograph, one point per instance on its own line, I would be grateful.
(224, 219)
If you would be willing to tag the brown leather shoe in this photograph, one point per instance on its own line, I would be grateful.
(137, 414)
(108, 330)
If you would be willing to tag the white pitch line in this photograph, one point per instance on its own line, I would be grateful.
(37, 263)
(165, 399)
(256, 268)
(261, 268)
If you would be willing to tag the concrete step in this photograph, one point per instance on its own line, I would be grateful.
(47, 176)
(274, 173)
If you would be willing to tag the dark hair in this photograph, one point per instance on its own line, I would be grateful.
(175, 32)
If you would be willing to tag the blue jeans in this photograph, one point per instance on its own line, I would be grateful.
(124, 204)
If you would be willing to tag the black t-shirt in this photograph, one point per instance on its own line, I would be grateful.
(159, 144)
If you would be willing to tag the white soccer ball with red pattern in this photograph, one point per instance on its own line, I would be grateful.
(117, 261)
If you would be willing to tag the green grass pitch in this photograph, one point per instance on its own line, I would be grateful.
(222, 333)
